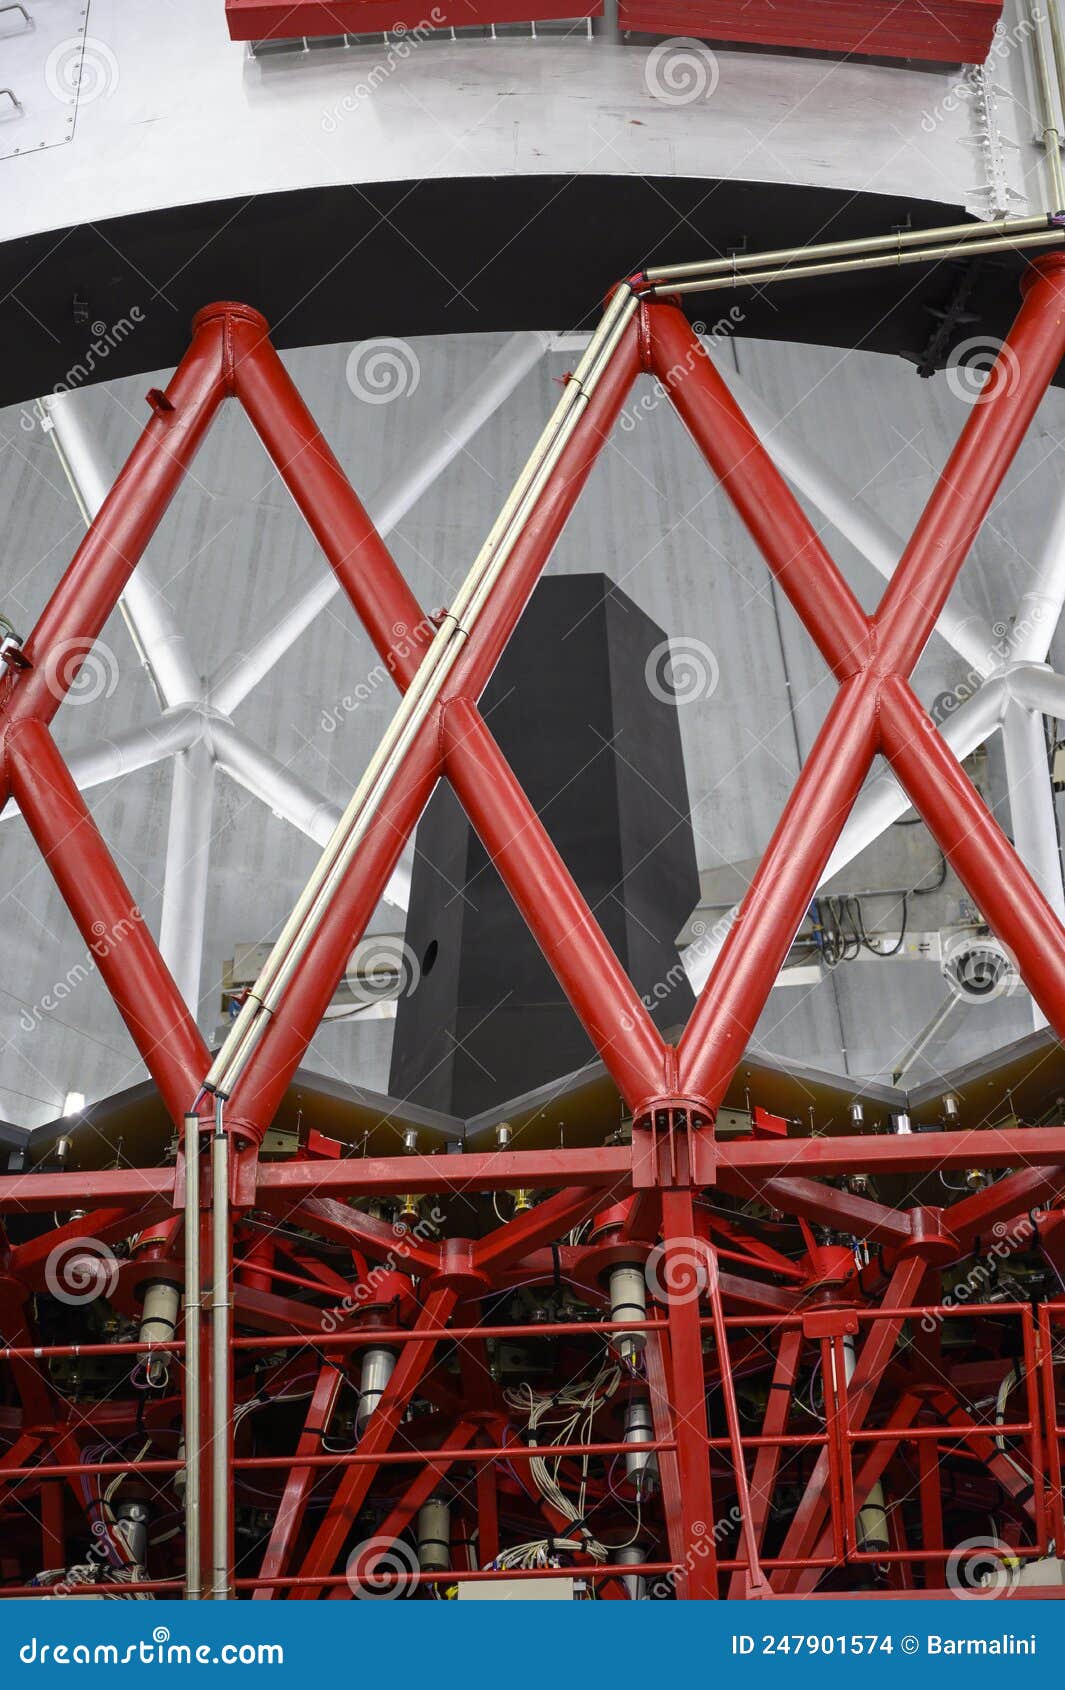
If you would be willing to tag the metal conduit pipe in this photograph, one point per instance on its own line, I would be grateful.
(419, 699)
(1057, 42)
(924, 255)
(1051, 133)
(191, 1414)
(221, 1360)
(899, 242)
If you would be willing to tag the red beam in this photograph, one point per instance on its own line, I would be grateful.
(117, 940)
(572, 941)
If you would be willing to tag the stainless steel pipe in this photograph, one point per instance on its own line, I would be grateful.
(901, 241)
(221, 1393)
(887, 261)
(191, 1417)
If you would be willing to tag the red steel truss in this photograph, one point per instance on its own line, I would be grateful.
(861, 1331)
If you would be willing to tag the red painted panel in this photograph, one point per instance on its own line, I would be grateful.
(937, 31)
(276, 20)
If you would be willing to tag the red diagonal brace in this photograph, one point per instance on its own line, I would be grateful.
(554, 910)
(117, 939)
(381, 1427)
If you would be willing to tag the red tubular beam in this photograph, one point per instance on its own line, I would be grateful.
(822, 1203)
(988, 443)
(380, 1429)
(329, 504)
(129, 516)
(270, 1068)
(687, 1405)
(108, 919)
(549, 1220)
(268, 1074)
(767, 1460)
(556, 914)
(1009, 1200)
(532, 550)
(44, 1191)
(300, 1482)
(773, 516)
(976, 847)
(873, 1358)
(779, 896)
(494, 1170)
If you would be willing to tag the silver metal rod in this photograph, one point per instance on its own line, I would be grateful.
(419, 699)
(1057, 41)
(1051, 135)
(221, 1406)
(890, 261)
(899, 242)
(192, 1406)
